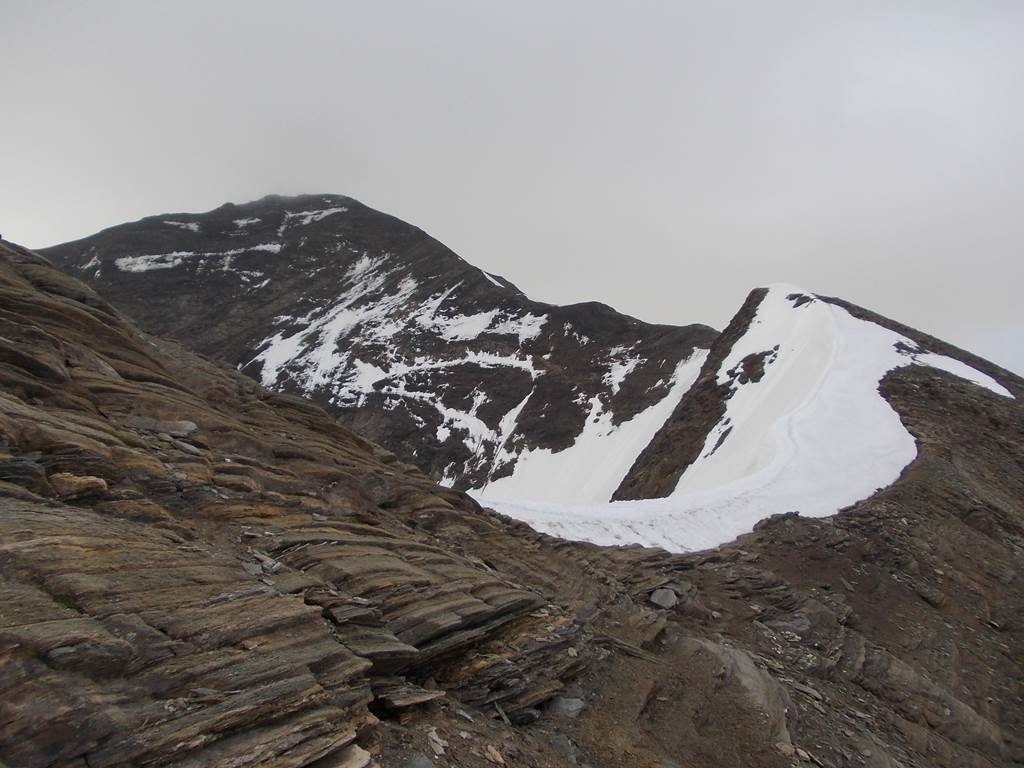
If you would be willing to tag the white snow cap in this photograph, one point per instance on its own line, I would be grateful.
(812, 435)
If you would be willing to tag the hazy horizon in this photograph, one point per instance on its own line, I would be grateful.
(663, 159)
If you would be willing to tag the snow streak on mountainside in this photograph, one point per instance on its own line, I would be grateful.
(449, 367)
(593, 466)
(804, 429)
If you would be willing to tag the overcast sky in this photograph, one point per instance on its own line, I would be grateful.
(661, 157)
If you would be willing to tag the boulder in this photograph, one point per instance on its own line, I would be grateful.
(664, 598)
(565, 706)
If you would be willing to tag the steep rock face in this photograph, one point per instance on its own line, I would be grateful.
(453, 369)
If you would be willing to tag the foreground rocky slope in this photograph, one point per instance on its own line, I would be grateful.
(453, 369)
(198, 572)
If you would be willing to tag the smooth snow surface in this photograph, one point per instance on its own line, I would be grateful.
(813, 435)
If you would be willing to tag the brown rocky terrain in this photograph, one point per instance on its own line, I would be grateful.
(195, 571)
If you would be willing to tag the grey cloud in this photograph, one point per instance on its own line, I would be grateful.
(661, 157)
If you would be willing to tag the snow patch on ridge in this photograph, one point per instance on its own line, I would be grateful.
(957, 368)
(812, 434)
(491, 277)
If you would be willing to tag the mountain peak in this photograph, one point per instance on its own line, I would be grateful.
(453, 368)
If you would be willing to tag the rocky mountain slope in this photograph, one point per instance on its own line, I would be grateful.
(196, 571)
(453, 369)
